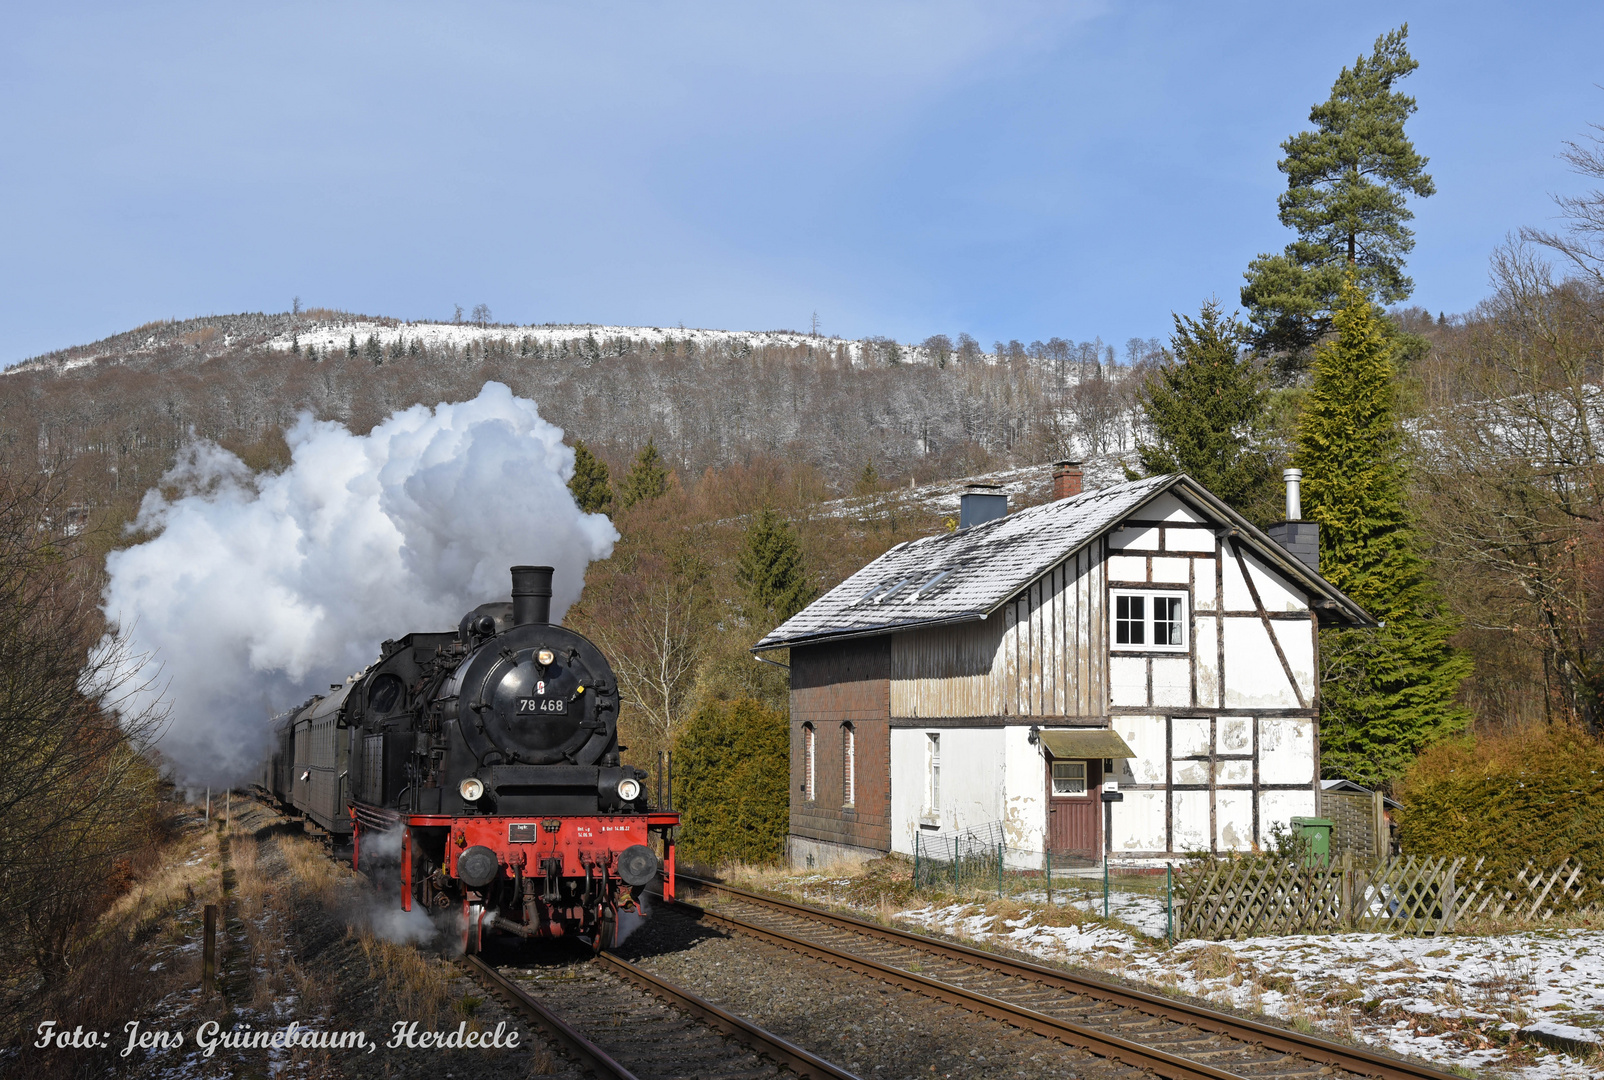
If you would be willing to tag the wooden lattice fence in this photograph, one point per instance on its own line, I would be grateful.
(1265, 894)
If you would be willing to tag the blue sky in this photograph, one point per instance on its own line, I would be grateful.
(1010, 170)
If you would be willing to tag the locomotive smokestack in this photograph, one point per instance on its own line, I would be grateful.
(531, 595)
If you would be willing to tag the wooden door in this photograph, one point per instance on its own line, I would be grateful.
(1075, 807)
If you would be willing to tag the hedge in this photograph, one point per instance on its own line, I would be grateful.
(1535, 795)
(731, 775)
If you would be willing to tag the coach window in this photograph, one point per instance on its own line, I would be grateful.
(1149, 621)
(849, 765)
(808, 757)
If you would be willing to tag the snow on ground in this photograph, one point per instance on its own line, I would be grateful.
(1456, 1000)
(435, 335)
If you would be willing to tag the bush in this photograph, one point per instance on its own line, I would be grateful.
(732, 769)
(1535, 795)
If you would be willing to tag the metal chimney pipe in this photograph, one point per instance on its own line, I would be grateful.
(531, 595)
(1294, 478)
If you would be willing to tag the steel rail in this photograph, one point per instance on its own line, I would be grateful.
(745, 1032)
(1348, 1058)
(1101, 1043)
(589, 1054)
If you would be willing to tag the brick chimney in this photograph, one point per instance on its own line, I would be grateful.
(1067, 479)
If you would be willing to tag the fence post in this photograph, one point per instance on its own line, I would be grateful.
(917, 836)
(1378, 814)
(1347, 890)
(1047, 871)
(999, 870)
(1448, 900)
(1105, 886)
(1169, 903)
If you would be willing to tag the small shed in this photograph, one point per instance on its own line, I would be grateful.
(1143, 640)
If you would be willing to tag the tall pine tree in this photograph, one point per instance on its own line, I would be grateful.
(1386, 693)
(591, 486)
(1206, 410)
(647, 478)
(1348, 182)
(772, 571)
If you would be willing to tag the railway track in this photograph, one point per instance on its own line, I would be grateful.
(1169, 1038)
(640, 1026)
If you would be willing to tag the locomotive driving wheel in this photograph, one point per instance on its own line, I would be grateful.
(473, 917)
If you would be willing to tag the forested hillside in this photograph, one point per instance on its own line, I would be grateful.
(113, 413)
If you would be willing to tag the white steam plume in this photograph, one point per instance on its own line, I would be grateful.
(260, 590)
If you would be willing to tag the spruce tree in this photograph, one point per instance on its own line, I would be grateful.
(647, 478)
(1206, 410)
(1386, 693)
(1347, 185)
(350, 347)
(771, 569)
(592, 489)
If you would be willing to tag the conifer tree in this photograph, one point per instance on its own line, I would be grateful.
(350, 347)
(771, 569)
(1385, 693)
(374, 352)
(1206, 409)
(647, 479)
(1347, 185)
(592, 489)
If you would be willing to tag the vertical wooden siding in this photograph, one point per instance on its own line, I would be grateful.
(1043, 654)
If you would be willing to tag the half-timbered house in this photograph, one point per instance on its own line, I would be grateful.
(1129, 670)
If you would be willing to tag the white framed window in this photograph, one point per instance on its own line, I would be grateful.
(1150, 621)
(849, 766)
(809, 760)
(1069, 778)
(933, 771)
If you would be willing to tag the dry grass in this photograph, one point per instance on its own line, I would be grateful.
(1215, 962)
(417, 985)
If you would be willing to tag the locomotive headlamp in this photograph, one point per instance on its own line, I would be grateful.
(629, 789)
(471, 788)
(545, 656)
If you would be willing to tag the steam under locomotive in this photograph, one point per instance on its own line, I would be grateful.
(480, 769)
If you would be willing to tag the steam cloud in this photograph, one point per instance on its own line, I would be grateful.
(260, 590)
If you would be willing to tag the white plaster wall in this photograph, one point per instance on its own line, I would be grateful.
(1188, 540)
(1203, 587)
(1233, 818)
(1136, 539)
(1138, 822)
(1172, 570)
(1253, 675)
(1024, 783)
(973, 763)
(1189, 738)
(1273, 588)
(1233, 772)
(1286, 750)
(1206, 669)
(1127, 680)
(1281, 807)
(1233, 735)
(1297, 642)
(1168, 508)
(1191, 820)
(1237, 597)
(1145, 736)
(1127, 568)
(1172, 681)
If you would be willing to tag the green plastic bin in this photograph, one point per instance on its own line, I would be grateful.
(1317, 832)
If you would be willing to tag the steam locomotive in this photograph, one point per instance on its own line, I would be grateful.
(480, 769)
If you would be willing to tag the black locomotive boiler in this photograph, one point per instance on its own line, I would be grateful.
(479, 769)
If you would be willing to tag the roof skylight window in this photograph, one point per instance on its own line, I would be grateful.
(892, 591)
(930, 585)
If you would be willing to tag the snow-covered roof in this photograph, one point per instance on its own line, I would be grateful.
(966, 575)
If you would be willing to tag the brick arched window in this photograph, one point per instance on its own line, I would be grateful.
(849, 765)
(809, 762)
